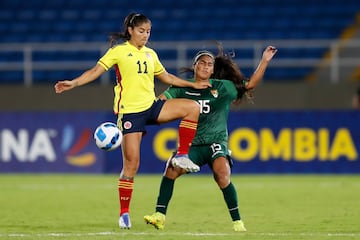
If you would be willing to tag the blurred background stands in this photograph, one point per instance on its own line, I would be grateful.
(87, 23)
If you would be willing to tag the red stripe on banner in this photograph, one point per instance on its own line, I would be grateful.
(81, 142)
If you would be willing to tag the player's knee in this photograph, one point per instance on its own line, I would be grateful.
(130, 165)
(222, 179)
(172, 172)
(193, 108)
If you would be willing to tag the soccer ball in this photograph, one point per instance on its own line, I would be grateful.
(108, 136)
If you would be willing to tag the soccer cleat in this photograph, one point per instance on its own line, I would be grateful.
(183, 161)
(157, 220)
(238, 226)
(124, 221)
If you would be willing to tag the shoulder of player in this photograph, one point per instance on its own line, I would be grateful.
(120, 47)
(125, 48)
(148, 49)
(226, 87)
(151, 52)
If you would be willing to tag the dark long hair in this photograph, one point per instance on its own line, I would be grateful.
(132, 20)
(226, 68)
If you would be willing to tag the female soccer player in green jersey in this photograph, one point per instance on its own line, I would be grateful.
(210, 145)
(135, 102)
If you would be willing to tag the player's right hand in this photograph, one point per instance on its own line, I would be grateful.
(65, 85)
(201, 84)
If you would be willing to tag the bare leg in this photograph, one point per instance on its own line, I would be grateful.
(131, 162)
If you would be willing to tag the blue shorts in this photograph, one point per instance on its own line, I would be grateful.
(136, 122)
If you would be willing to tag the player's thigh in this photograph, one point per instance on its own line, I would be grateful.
(131, 146)
(200, 154)
(221, 166)
(178, 108)
(221, 163)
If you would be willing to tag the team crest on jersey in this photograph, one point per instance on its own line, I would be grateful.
(127, 125)
(148, 55)
(215, 93)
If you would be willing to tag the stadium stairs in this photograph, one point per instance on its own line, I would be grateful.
(345, 50)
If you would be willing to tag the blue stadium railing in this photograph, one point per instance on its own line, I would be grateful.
(44, 63)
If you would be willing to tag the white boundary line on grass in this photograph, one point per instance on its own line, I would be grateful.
(24, 235)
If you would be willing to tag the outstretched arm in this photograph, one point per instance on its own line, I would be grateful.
(268, 54)
(88, 76)
(171, 79)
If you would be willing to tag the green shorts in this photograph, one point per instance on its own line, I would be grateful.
(206, 154)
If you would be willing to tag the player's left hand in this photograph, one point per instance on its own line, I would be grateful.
(269, 52)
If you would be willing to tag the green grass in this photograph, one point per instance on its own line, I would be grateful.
(272, 207)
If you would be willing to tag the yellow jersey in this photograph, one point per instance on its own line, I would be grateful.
(135, 71)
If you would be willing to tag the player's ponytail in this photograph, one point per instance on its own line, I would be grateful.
(132, 20)
(226, 68)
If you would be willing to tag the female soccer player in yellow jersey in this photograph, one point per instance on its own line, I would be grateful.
(135, 103)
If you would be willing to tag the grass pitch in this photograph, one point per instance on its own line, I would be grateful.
(272, 207)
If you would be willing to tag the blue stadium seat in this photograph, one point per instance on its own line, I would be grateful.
(92, 20)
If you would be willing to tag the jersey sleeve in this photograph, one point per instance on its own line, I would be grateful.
(230, 89)
(159, 68)
(108, 59)
(172, 92)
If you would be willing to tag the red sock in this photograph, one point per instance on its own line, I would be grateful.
(187, 131)
(125, 192)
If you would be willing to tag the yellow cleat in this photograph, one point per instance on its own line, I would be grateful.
(238, 226)
(157, 220)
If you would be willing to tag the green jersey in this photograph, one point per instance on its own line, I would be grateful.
(215, 104)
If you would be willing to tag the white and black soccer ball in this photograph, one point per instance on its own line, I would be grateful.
(108, 136)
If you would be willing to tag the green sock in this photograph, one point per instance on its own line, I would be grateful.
(165, 194)
(231, 200)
